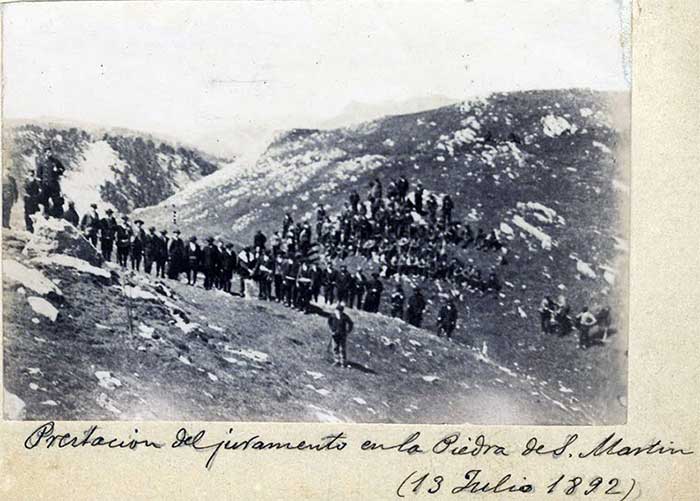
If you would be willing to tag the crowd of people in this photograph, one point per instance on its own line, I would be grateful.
(593, 328)
(410, 234)
(396, 232)
(42, 191)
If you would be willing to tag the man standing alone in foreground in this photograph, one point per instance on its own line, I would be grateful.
(340, 325)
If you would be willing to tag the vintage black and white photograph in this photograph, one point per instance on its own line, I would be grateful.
(366, 212)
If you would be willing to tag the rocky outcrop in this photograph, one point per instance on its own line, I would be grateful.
(57, 236)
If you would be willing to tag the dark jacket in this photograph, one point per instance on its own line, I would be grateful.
(71, 216)
(340, 327)
(193, 256)
(210, 258)
(108, 228)
(447, 317)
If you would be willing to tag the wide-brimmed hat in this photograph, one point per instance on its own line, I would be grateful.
(210, 239)
(152, 228)
(94, 206)
(138, 221)
(109, 211)
(177, 232)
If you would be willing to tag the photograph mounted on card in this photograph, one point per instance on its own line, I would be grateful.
(253, 212)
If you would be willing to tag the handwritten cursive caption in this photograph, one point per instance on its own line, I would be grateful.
(416, 483)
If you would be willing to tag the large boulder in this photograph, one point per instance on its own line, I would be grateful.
(58, 236)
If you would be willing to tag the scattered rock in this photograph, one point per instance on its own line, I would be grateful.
(29, 278)
(43, 307)
(430, 379)
(73, 263)
(254, 355)
(15, 408)
(107, 403)
(107, 381)
(321, 391)
(146, 332)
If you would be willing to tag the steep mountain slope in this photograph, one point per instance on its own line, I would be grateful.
(84, 342)
(116, 168)
(548, 169)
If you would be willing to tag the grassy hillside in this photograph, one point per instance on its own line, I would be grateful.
(566, 150)
(128, 347)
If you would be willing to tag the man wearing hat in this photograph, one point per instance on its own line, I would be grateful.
(192, 260)
(176, 256)
(340, 326)
(161, 256)
(90, 224)
(138, 244)
(32, 195)
(10, 194)
(124, 233)
(71, 215)
(447, 318)
(374, 294)
(108, 231)
(397, 300)
(304, 279)
(416, 305)
(418, 198)
(290, 271)
(228, 266)
(342, 284)
(357, 289)
(150, 250)
(210, 263)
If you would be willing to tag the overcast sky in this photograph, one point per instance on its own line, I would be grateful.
(190, 69)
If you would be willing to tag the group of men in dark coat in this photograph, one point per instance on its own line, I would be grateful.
(42, 190)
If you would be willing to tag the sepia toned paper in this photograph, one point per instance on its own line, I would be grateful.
(660, 375)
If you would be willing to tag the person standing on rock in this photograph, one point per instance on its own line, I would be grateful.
(341, 326)
(90, 225)
(71, 215)
(416, 305)
(10, 194)
(49, 171)
(447, 319)
(108, 231)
